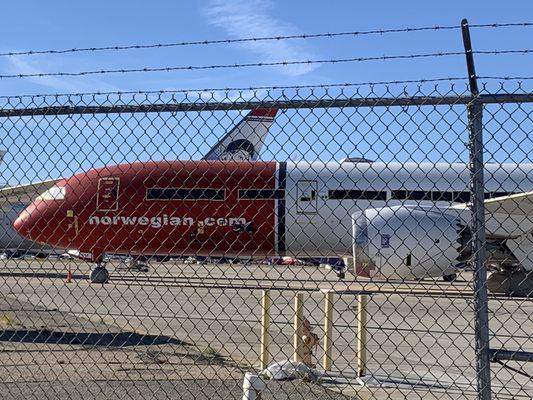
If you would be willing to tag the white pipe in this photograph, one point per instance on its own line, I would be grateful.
(252, 387)
(298, 327)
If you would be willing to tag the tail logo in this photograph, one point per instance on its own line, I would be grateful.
(238, 150)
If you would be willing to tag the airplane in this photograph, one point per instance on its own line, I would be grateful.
(395, 220)
(243, 142)
(13, 201)
(11, 206)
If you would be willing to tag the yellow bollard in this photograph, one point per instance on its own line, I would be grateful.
(298, 327)
(362, 300)
(264, 356)
(328, 328)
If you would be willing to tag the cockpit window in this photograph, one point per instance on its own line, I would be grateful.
(54, 193)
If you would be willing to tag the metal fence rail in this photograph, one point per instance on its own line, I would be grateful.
(331, 227)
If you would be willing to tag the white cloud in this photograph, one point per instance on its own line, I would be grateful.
(65, 84)
(253, 18)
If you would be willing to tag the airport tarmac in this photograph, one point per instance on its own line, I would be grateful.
(201, 323)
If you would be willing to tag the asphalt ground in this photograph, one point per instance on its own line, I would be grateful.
(193, 330)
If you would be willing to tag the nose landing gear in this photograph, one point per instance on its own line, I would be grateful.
(449, 278)
(99, 274)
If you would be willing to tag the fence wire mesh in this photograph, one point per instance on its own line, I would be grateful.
(162, 245)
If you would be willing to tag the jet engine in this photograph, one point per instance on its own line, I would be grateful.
(405, 242)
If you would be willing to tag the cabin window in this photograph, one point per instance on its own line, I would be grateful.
(442, 196)
(54, 193)
(462, 197)
(185, 194)
(420, 195)
(492, 195)
(261, 194)
(351, 194)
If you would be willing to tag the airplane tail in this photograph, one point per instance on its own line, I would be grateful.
(245, 140)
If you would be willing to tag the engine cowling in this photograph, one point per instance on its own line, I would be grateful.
(405, 242)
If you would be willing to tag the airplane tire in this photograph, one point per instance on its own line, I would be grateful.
(141, 267)
(99, 275)
(449, 278)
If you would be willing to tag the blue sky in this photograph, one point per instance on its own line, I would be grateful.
(65, 24)
(37, 151)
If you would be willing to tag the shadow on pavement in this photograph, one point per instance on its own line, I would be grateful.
(107, 339)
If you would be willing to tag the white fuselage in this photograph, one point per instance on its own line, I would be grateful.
(319, 224)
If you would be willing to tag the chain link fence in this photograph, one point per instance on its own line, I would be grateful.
(162, 245)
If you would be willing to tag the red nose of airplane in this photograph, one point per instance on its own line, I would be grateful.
(38, 222)
(24, 223)
(41, 222)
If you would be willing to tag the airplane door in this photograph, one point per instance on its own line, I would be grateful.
(307, 197)
(108, 194)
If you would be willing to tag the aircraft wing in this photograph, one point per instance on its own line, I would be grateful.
(511, 217)
(24, 193)
(245, 140)
(507, 216)
(516, 204)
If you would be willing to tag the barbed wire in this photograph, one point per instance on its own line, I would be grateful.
(260, 64)
(244, 89)
(507, 78)
(326, 35)
(250, 88)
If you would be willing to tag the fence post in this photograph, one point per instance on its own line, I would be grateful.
(264, 356)
(475, 126)
(328, 328)
(361, 334)
(298, 327)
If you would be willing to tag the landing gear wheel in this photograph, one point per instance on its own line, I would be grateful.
(141, 267)
(449, 278)
(137, 266)
(99, 275)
